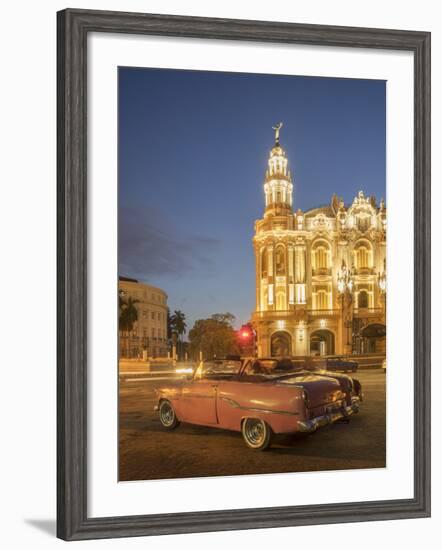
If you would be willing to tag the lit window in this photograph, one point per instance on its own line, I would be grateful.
(321, 298)
(264, 263)
(321, 255)
(280, 301)
(280, 260)
(362, 257)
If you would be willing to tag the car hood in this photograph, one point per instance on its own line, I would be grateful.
(320, 390)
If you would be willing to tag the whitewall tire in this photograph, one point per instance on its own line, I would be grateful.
(167, 415)
(256, 433)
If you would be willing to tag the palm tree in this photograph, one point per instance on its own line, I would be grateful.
(128, 316)
(169, 325)
(178, 325)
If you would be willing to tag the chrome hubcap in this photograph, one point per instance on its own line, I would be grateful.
(167, 414)
(255, 432)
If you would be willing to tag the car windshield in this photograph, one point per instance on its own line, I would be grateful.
(269, 369)
(218, 368)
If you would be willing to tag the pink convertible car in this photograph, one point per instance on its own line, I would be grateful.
(259, 398)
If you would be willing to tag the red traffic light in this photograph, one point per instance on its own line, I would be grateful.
(245, 333)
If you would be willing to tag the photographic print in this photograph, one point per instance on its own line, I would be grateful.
(222, 274)
(252, 273)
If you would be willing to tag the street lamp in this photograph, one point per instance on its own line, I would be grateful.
(345, 285)
(382, 283)
(382, 279)
(345, 279)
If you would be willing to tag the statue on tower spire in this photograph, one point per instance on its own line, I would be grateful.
(277, 129)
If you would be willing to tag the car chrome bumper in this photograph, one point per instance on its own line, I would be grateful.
(311, 425)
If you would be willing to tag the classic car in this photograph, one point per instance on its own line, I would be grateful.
(259, 398)
(338, 363)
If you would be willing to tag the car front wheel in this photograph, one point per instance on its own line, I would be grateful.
(167, 415)
(257, 434)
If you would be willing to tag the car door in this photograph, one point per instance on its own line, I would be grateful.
(198, 402)
(235, 396)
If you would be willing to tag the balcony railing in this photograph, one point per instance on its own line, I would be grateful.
(321, 271)
(367, 311)
(274, 314)
(323, 312)
(299, 309)
(365, 271)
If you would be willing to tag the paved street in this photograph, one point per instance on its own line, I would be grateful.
(147, 451)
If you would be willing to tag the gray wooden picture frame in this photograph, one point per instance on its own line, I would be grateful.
(74, 25)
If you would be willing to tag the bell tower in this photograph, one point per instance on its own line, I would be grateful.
(280, 262)
(273, 241)
(278, 187)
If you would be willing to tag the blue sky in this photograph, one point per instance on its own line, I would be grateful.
(193, 148)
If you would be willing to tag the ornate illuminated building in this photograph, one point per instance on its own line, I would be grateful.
(320, 274)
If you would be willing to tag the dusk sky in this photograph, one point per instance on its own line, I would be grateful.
(193, 150)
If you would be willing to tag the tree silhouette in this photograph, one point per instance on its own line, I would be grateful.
(128, 315)
(178, 327)
(214, 337)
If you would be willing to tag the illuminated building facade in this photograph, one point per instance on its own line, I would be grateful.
(320, 274)
(148, 337)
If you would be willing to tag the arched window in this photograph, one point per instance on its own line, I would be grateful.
(321, 256)
(264, 297)
(322, 300)
(280, 260)
(322, 297)
(280, 301)
(363, 256)
(281, 344)
(322, 342)
(264, 263)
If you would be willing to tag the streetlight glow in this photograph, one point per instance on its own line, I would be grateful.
(345, 279)
(382, 279)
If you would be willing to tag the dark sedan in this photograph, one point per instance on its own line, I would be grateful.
(338, 363)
